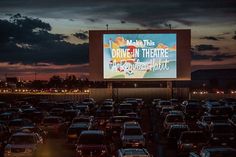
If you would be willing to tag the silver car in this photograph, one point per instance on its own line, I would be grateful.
(132, 135)
(23, 145)
(133, 152)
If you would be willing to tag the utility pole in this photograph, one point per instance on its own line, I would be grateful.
(107, 26)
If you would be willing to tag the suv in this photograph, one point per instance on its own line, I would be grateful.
(133, 152)
(92, 143)
(131, 135)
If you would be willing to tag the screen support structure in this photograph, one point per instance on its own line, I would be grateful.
(170, 87)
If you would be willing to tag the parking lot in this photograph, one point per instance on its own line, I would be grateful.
(131, 124)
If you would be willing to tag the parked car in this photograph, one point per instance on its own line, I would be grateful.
(23, 145)
(54, 125)
(133, 152)
(175, 132)
(190, 141)
(74, 132)
(222, 134)
(92, 143)
(114, 124)
(132, 136)
(215, 152)
(18, 123)
(173, 119)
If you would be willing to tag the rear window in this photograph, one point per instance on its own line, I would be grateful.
(95, 139)
(24, 139)
(174, 118)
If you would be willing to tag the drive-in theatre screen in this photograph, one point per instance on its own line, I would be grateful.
(140, 55)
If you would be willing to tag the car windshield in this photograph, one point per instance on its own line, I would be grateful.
(93, 139)
(133, 131)
(51, 120)
(175, 118)
(24, 139)
(81, 120)
(165, 103)
(193, 138)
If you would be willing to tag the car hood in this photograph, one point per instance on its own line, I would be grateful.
(20, 146)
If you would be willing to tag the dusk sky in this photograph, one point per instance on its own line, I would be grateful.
(50, 37)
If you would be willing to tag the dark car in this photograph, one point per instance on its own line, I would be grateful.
(57, 112)
(69, 115)
(103, 113)
(92, 143)
(175, 132)
(4, 106)
(220, 110)
(193, 110)
(190, 141)
(114, 124)
(53, 125)
(74, 132)
(204, 122)
(124, 108)
(18, 123)
(215, 152)
(221, 134)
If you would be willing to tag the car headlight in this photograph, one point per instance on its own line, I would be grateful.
(103, 151)
(79, 151)
(231, 138)
(215, 138)
(28, 150)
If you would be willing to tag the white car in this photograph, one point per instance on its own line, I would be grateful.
(23, 145)
(133, 152)
(131, 135)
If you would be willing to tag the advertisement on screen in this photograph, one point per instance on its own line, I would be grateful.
(139, 56)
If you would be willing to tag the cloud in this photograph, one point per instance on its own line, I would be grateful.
(211, 57)
(82, 36)
(204, 47)
(28, 41)
(222, 57)
(212, 38)
(154, 14)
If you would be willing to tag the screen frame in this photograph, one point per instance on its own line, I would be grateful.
(183, 57)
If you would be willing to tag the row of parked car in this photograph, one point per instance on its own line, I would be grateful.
(199, 128)
(194, 128)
